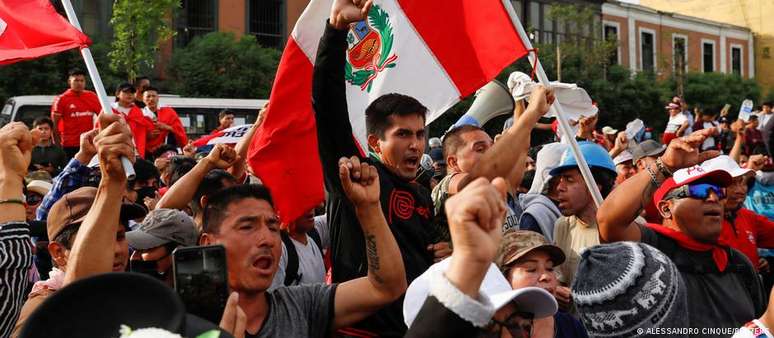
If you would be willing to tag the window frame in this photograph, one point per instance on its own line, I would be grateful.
(676, 36)
(714, 49)
(652, 33)
(617, 26)
(741, 58)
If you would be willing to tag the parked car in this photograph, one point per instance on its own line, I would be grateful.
(199, 115)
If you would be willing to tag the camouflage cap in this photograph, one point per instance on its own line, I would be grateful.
(517, 243)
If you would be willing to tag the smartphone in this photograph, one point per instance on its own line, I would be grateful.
(201, 280)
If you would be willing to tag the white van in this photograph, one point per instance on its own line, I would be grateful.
(199, 115)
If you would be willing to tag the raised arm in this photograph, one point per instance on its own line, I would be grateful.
(624, 203)
(500, 159)
(329, 97)
(738, 129)
(16, 143)
(182, 192)
(238, 169)
(92, 251)
(386, 280)
(72, 177)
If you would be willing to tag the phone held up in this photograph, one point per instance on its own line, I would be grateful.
(201, 280)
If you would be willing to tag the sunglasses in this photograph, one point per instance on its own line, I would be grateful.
(699, 191)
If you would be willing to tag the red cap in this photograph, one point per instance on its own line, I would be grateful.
(688, 175)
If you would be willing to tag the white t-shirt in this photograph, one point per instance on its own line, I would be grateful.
(311, 267)
(675, 122)
(709, 143)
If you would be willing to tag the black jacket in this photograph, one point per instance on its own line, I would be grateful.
(437, 321)
(406, 205)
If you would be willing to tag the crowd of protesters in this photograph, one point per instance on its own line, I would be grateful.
(495, 237)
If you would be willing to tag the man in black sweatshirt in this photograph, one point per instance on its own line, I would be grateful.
(396, 135)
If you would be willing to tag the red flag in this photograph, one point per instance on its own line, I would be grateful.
(434, 53)
(30, 29)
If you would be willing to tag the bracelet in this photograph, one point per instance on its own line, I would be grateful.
(14, 201)
(653, 178)
(662, 168)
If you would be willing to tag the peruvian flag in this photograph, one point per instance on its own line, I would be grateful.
(436, 52)
(226, 136)
(30, 29)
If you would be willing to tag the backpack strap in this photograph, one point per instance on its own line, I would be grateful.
(291, 270)
(315, 235)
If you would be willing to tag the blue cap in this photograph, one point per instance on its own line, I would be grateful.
(596, 156)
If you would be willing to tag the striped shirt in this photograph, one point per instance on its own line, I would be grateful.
(15, 262)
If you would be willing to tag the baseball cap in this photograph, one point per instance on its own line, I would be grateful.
(688, 175)
(73, 207)
(40, 187)
(726, 163)
(723, 119)
(672, 105)
(494, 286)
(517, 243)
(622, 157)
(647, 148)
(163, 226)
(608, 130)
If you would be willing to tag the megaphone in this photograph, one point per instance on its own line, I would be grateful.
(492, 100)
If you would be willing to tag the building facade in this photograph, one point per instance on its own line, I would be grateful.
(665, 43)
(748, 13)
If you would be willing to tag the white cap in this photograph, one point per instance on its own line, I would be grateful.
(725, 163)
(623, 157)
(494, 286)
(608, 130)
(40, 187)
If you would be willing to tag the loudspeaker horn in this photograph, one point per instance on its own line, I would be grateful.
(492, 100)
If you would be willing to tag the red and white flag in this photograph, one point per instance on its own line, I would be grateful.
(30, 29)
(226, 136)
(436, 52)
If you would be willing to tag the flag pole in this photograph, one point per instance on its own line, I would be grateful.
(556, 108)
(95, 79)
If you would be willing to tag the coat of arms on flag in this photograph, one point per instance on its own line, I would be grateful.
(369, 48)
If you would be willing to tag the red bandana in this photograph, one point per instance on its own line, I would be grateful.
(719, 253)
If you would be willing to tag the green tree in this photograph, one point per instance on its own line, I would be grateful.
(139, 28)
(219, 65)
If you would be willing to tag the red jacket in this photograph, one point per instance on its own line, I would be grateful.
(748, 232)
(78, 111)
(168, 116)
(140, 126)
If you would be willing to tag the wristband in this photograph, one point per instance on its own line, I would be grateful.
(662, 168)
(21, 201)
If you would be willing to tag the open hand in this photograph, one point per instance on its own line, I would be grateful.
(360, 181)
(345, 12)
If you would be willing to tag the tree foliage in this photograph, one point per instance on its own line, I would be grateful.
(139, 28)
(219, 65)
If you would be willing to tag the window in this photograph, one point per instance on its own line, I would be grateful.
(197, 18)
(534, 19)
(518, 7)
(708, 56)
(736, 60)
(647, 51)
(679, 53)
(267, 22)
(610, 33)
(548, 25)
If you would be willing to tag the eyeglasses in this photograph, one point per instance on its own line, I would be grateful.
(699, 191)
(33, 199)
(518, 324)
